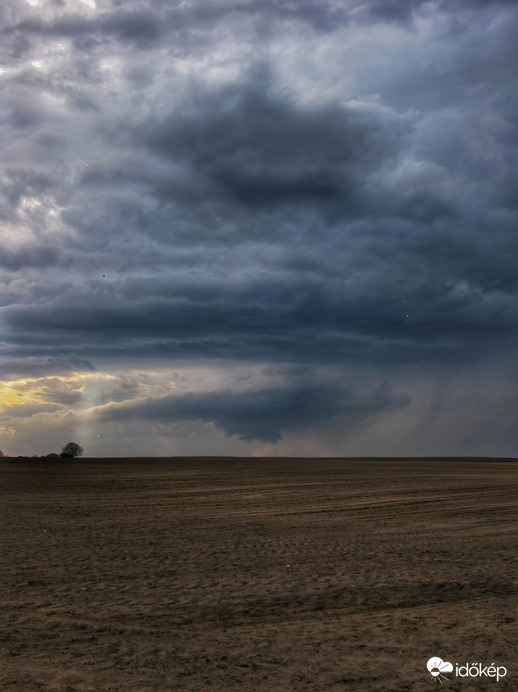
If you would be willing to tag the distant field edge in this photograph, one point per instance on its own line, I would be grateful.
(254, 459)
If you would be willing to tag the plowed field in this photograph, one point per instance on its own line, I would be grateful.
(136, 575)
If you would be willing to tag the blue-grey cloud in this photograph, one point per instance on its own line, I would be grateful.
(261, 415)
(260, 183)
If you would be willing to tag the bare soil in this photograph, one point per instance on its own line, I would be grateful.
(136, 575)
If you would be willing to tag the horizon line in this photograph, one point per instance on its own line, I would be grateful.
(58, 457)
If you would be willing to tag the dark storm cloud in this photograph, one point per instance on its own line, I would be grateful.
(261, 415)
(260, 149)
(144, 26)
(387, 289)
(288, 320)
(13, 367)
(392, 9)
(403, 10)
(37, 257)
(138, 27)
(264, 182)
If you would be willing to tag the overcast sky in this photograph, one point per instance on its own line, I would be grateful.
(259, 227)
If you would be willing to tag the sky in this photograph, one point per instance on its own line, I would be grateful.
(259, 227)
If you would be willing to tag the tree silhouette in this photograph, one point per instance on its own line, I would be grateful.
(71, 450)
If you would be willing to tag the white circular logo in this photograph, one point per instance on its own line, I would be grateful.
(436, 667)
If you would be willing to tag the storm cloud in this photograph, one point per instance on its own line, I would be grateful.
(285, 188)
(261, 414)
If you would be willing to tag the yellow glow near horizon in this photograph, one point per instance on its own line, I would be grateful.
(28, 391)
(9, 396)
(81, 393)
(40, 390)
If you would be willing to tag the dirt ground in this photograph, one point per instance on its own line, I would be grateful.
(138, 575)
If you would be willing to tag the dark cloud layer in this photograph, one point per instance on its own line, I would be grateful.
(261, 150)
(261, 415)
(259, 183)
